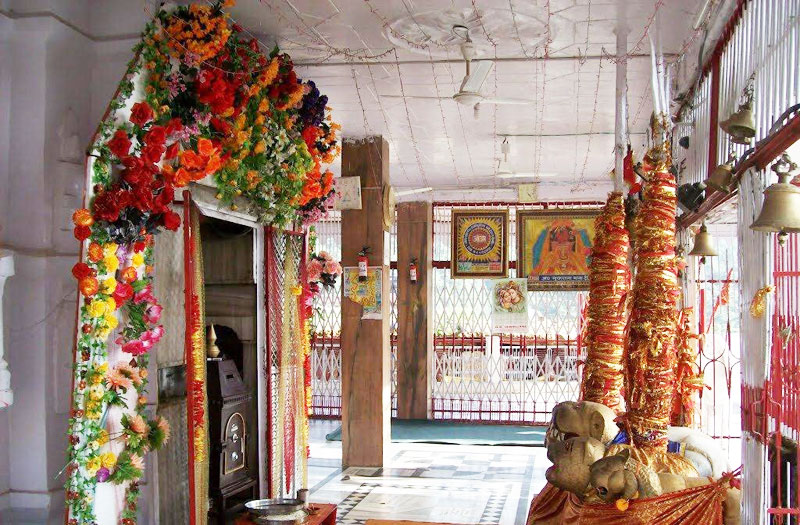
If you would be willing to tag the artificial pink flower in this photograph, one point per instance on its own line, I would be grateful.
(145, 295)
(135, 347)
(153, 313)
(332, 267)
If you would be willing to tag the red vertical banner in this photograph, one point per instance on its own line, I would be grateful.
(197, 418)
(190, 298)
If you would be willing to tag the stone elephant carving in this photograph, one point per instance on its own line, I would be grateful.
(622, 477)
(588, 419)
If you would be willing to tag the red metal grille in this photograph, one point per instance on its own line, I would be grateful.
(783, 386)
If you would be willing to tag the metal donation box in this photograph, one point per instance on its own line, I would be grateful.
(231, 480)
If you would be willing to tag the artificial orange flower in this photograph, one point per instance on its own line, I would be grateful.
(82, 217)
(205, 147)
(129, 274)
(88, 286)
(191, 160)
(95, 252)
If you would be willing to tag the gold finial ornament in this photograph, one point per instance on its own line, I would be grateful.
(212, 350)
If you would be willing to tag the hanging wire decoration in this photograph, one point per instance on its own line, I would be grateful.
(360, 102)
(444, 121)
(461, 121)
(516, 31)
(408, 118)
(385, 119)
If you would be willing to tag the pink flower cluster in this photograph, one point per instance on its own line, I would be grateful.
(322, 268)
(151, 314)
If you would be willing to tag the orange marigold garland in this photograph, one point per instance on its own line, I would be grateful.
(688, 379)
(609, 283)
(650, 364)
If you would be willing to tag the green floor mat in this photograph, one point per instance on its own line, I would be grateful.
(424, 431)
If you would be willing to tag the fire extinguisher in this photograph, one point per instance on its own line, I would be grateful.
(412, 270)
(363, 262)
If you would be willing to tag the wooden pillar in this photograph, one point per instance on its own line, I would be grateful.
(366, 388)
(414, 309)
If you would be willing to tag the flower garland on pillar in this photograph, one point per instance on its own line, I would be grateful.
(199, 100)
(650, 364)
(609, 283)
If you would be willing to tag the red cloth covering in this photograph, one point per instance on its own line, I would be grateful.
(695, 506)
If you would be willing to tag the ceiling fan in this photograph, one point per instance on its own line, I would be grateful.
(477, 72)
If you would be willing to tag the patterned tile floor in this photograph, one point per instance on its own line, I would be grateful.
(459, 484)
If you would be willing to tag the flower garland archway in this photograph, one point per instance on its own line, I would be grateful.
(200, 101)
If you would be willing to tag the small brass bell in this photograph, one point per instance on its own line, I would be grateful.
(781, 209)
(722, 176)
(703, 243)
(741, 126)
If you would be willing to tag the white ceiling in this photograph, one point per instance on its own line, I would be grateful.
(343, 46)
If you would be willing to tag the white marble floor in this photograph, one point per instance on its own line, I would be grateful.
(456, 484)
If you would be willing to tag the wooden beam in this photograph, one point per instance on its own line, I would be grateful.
(414, 309)
(366, 398)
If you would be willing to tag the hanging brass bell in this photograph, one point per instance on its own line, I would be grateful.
(703, 243)
(741, 126)
(722, 176)
(781, 209)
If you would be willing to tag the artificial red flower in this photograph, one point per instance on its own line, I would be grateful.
(220, 126)
(107, 205)
(139, 246)
(171, 220)
(82, 232)
(173, 126)
(152, 152)
(122, 293)
(164, 199)
(141, 113)
(156, 136)
(119, 144)
(172, 151)
(81, 270)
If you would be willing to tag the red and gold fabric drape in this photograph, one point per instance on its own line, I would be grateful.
(609, 283)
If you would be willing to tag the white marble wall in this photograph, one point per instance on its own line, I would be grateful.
(55, 83)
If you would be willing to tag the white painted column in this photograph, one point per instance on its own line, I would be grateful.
(6, 271)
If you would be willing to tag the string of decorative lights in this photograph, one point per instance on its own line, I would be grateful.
(483, 27)
(461, 121)
(494, 112)
(386, 123)
(549, 35)
(310, 33)
(367, 127)
(637, 46)
(516, 29)
(581, 183)
(387, 25)
(444, 121)
(408, 118)
(541, 82)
